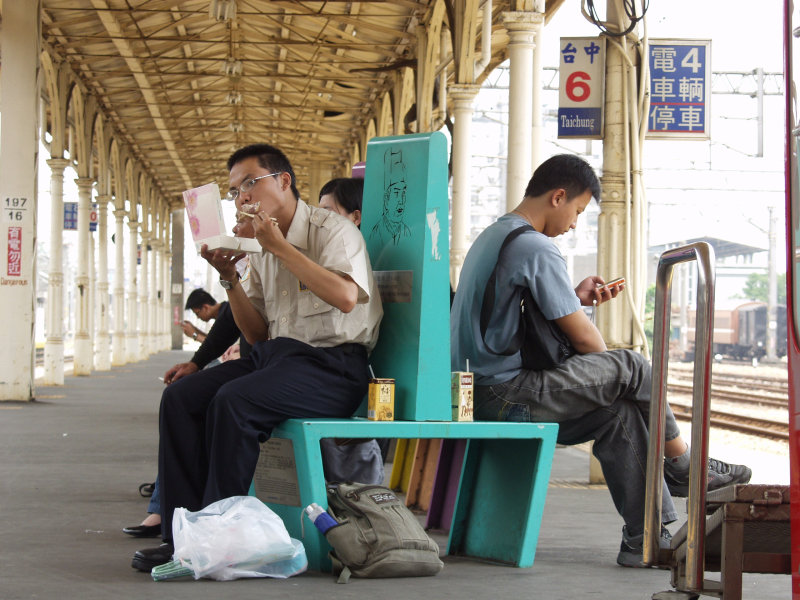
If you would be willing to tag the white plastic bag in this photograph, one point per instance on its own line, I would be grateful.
(236, 537)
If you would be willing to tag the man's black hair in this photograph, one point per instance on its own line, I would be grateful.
(269, 157)
(198, 298)
(348, 192)
(566, 171)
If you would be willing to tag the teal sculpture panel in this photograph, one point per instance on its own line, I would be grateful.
(405, 223)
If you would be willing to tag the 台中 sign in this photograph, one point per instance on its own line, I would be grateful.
(582, 67)
(680, 89)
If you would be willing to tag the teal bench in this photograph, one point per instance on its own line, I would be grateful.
(501, 492)
(504, 476)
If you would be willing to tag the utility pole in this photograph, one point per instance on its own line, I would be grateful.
(772, 283)
(772, 288)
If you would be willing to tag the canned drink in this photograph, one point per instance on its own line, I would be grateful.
(380, 400)
(461, 388)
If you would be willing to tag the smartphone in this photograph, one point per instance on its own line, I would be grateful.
(613, 282)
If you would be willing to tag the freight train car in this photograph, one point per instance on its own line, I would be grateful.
(741, 333)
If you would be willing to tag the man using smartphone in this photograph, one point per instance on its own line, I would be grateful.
(596, 394)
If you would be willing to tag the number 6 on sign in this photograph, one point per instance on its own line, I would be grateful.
(577, 88)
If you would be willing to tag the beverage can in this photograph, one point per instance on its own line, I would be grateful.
(461, 390)
(380, 399)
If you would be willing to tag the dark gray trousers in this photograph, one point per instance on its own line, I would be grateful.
(603, 396)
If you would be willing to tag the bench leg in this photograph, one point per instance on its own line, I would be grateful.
(311, 487)
(501, 499)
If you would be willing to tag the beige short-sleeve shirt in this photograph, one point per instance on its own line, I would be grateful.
(291, 309)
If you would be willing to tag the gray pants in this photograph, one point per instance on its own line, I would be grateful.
(603, 396)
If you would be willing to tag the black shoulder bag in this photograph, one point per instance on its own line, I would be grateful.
(542, 343)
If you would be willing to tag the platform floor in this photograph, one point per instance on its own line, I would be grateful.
(71, 463)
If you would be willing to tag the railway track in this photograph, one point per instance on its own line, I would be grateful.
(732, 395)
(771, 384)
(763, 428)
(745, 388)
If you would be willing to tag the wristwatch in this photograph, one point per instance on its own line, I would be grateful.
(229, 285)
(194, 335)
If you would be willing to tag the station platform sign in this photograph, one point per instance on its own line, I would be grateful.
(71, 216)
(581, 88)
(680, 89)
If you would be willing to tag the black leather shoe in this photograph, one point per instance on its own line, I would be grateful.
(146, 559)
(143, 531)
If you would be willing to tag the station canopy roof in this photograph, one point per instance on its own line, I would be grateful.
(186, 82)
(722, 248)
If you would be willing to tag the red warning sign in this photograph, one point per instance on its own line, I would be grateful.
(14, 251)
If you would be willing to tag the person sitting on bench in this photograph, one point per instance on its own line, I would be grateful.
(215, 345)
(311, 309)
(597, 394)
(354, 460)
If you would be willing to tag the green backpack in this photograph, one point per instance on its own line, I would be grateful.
(377, 535)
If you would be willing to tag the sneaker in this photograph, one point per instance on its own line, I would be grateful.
(630, 550)
(720, 474)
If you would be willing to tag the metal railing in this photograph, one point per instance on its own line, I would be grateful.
(703, 253)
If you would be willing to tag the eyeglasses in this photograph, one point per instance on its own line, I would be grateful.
(247, 185)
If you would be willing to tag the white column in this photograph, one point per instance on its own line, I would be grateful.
(537, 125)
(82, 363)
(142, 306)
(132, 328)
(118, 338)
(461, 97)
(521, 27)
(102, 342)
(92, 297)
(20, 40)
(54, 316)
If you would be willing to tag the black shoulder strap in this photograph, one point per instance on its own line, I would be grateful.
(487, 305)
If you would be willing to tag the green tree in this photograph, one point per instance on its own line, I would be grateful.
(755, 288)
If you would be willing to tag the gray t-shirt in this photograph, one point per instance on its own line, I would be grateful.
(532, 260)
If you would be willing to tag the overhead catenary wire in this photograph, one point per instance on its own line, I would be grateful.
(629, 6)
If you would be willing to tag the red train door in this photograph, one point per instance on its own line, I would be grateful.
(792, 81)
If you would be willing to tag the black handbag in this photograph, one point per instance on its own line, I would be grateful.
(542, 343)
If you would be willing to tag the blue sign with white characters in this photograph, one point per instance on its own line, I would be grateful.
(680, 89)
(71, 215)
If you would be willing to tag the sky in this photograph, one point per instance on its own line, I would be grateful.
(697, 19)
(732, 187)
